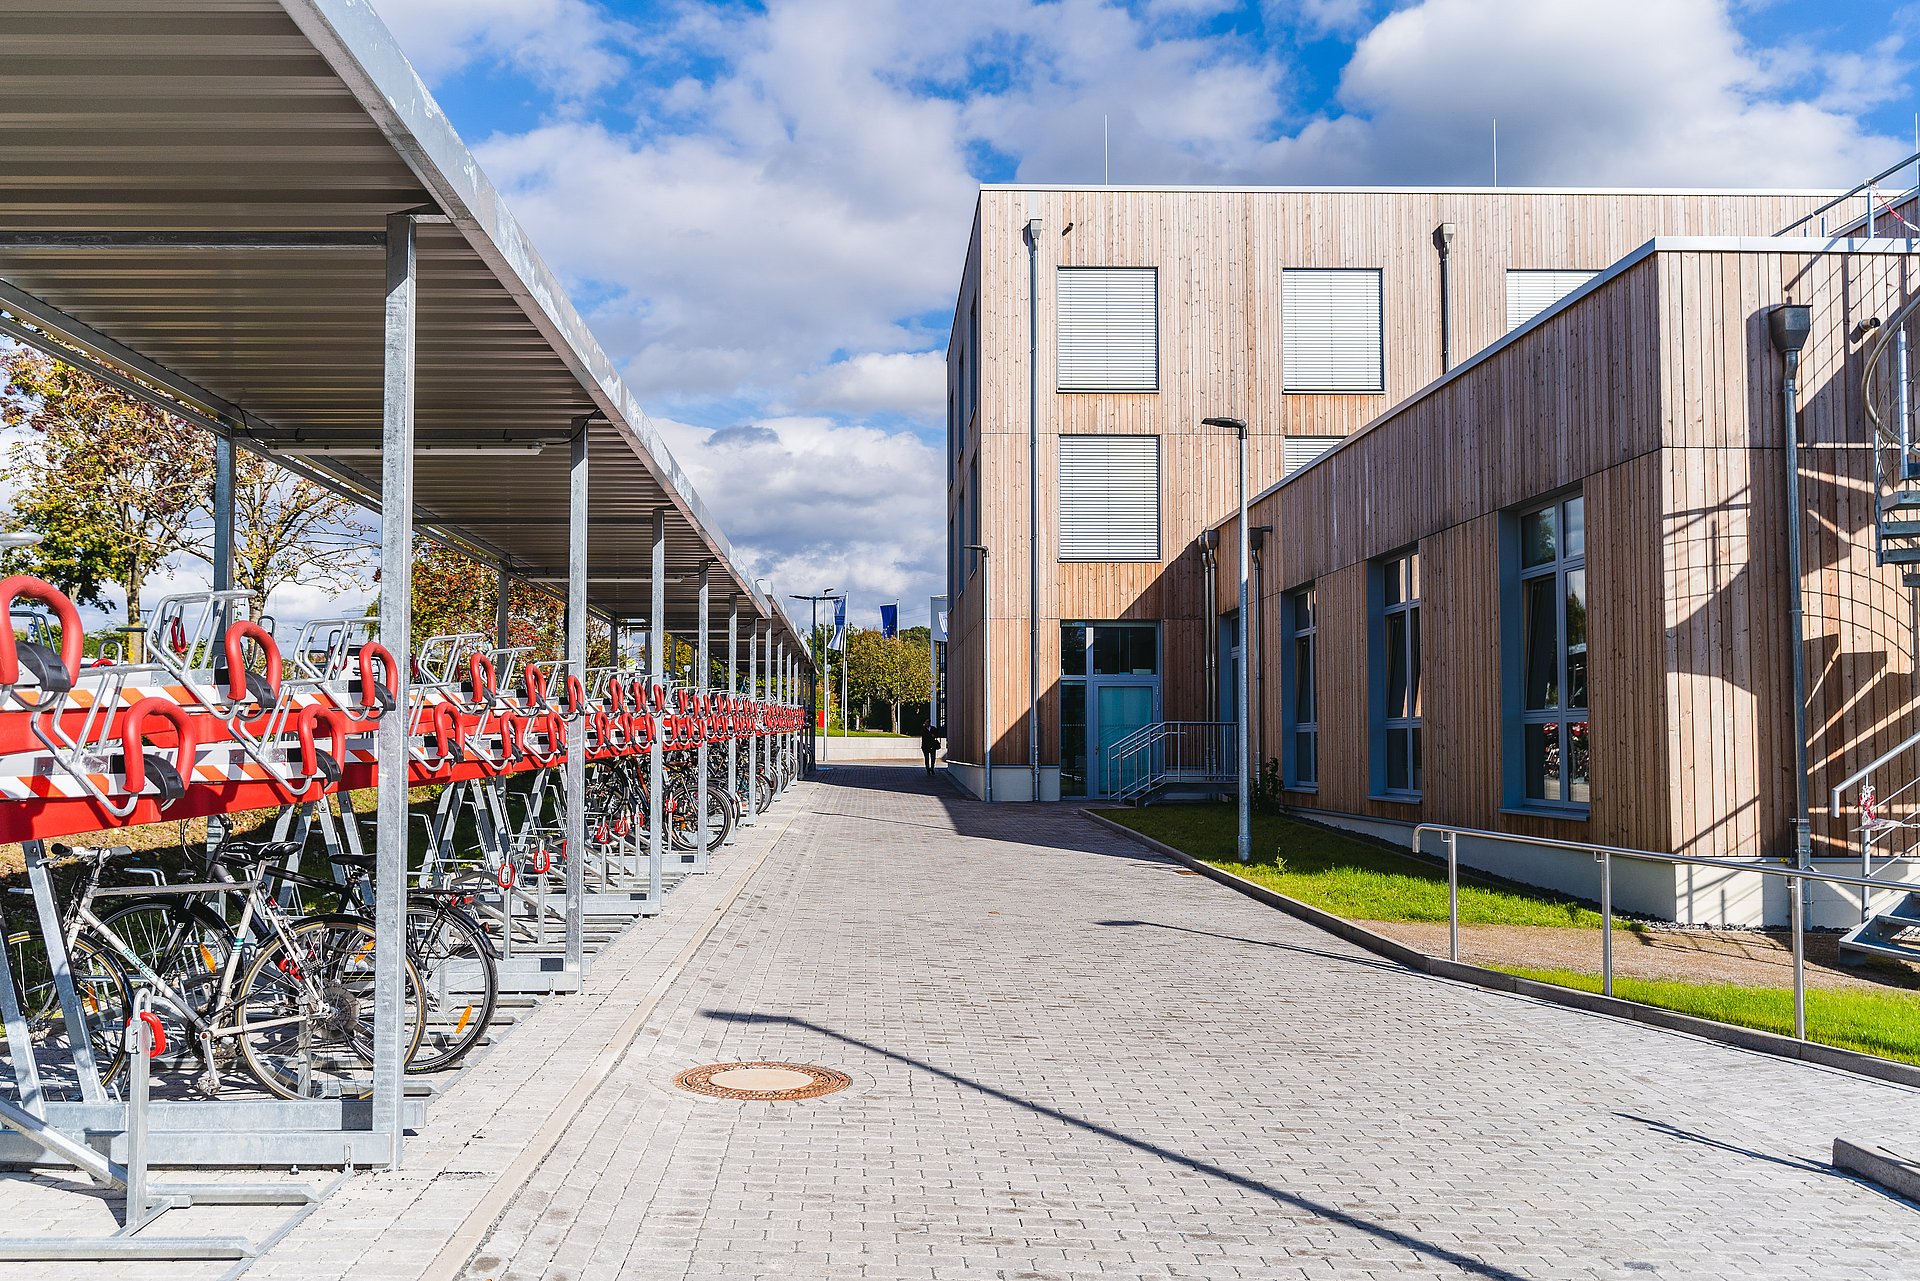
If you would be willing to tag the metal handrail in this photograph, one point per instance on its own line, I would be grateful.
(1146, 739)
(1840, 805)
(1606, 854)
(1842, 199)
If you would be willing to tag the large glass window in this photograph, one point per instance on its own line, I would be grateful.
(1396, 667)
(1550, 546)
(1300, 716)
(1109, 690)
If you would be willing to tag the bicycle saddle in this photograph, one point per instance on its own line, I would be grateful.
(246, 854)
(365, 862)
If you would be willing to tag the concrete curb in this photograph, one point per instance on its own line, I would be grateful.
(1593, 1002)
(1878, 1166)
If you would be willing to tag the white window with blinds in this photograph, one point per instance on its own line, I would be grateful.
(1109, 498)
(1531, 292)
(1108, 321)
(1333, 340)
(1301, 450)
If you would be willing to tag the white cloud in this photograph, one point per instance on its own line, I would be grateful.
(1631, 92)
(570, 47)
(911, 383)
(771, 218)
(810, 504)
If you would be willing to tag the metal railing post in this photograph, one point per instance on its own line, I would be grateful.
(1606, 922)
(1453, 895)
(1797, 888)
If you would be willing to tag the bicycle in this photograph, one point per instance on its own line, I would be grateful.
(292, 997)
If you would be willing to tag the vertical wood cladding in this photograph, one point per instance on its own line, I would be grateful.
(1659, 397)
(1220, 257)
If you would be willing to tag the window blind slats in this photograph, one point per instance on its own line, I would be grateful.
(1531, 292)
(1301, 450)
(1332, 338)
(1108, 328)
(1109, 498)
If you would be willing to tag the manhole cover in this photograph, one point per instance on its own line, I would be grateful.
(764, 1082)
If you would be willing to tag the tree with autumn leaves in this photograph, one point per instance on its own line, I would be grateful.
(116, 486)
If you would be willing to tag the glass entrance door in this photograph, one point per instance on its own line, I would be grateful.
(1119, 710)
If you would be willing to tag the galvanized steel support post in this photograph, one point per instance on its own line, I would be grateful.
(222, 571)
(750, 812)
(656, 761)
(733, 690)
(700, 667)
(502, 593)
(576, 766)
(396, 628)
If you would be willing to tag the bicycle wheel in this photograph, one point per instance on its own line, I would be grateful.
(105, 999)
(459, 978)
(719, 820)
(305, 1015)
(187, 945)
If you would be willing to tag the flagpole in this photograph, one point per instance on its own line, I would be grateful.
(843, 678)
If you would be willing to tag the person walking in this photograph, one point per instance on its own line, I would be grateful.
(930, 745)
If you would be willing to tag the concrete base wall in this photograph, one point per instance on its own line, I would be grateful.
(830, 748)
(1010, 782)
(1663, 891)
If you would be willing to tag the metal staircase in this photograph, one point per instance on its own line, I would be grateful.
(1888, 824)
(1166, 758)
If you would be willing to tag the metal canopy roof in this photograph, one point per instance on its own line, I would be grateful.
(203, 185)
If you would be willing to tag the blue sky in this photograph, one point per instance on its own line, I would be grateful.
(762, 207)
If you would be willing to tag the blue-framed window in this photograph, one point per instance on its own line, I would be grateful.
(1395, 686)
(1299, 702)
(1548, 747)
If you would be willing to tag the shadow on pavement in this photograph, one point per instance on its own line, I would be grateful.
(1466, 1263)
(1049, 825)
(1347, 958)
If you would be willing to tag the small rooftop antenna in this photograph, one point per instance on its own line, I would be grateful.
(1496, 151)
(1106, 167)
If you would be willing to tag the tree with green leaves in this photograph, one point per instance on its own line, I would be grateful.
(114, 484)
(888, 670)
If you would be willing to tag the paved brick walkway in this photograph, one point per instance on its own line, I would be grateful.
(1072, 1061)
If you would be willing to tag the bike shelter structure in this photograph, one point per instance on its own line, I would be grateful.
(291, 250)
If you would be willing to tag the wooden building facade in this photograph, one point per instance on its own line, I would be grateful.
(1654, 402)
(1254, 304)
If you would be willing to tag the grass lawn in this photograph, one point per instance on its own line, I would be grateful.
(1348, 876)
(1886, 1024)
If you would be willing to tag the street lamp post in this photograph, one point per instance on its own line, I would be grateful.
(1244, 682)
(830, 594)
(986, 666)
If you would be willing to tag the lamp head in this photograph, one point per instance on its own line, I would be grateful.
(1233, 424)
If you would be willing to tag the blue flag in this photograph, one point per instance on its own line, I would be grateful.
(890, 620)
(839, 638)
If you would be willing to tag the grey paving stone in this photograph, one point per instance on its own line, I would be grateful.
(1071, 1062)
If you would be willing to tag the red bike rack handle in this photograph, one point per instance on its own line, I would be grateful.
(336, 722)
(135, 726)
(159, 1030)
(576, 695)
(505, 878)
(47, 594)
(375, 697)
(479, 665)
(237, 637)
(542, 862)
